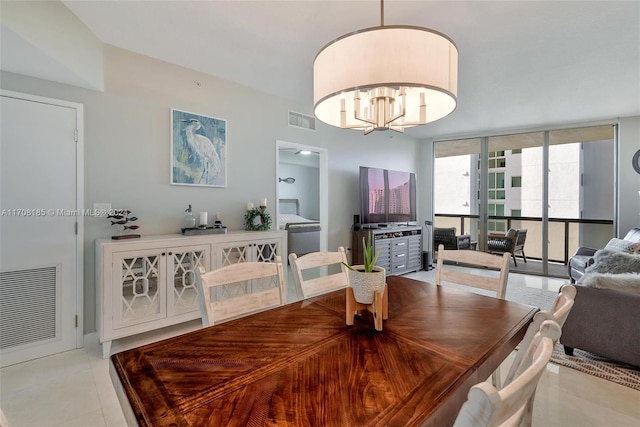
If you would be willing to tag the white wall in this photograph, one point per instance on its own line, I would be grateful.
(44, 39)
(127, 149)
(452, 189)
(564, 180)
(628, 179)
(306, 188)
(598, 179)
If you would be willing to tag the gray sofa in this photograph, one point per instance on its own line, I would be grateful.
(583, 257)
(605, 322)
(605, 319)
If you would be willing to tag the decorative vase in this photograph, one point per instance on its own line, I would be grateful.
(365, 284)
(189, 221)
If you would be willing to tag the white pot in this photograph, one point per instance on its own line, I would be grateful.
(365, 284)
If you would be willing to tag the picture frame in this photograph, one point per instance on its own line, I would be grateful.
(198, 149)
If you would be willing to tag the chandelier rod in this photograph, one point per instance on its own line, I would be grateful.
(382, 13)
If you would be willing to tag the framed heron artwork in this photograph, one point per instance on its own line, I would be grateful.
(198, 149)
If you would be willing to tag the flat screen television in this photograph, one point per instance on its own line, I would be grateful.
(387, 196)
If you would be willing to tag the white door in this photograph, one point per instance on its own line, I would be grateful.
(39, 250)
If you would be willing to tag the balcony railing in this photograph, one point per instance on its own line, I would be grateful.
(565, 234)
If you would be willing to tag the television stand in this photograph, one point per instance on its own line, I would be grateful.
(400, 247)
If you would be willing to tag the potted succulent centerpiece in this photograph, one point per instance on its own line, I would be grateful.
(367, 278)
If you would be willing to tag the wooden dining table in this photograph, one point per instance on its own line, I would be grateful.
(301, 365)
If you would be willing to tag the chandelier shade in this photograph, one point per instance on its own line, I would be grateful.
(387, 77)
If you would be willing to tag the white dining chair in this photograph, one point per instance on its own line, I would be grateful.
(319, 264)
(476, 260)
(558, 313)
(487, 406)
(240, 289)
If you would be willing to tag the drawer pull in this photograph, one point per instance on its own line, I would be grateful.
(400, 255)
(399, 266)
(401, 244)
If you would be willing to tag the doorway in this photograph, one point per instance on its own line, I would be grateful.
(41, 247)
(292, 156)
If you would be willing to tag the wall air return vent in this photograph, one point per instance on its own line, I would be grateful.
(302, 121)
(27, 306)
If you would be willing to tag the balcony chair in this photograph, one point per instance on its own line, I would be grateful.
(511, 242)
(447, 238)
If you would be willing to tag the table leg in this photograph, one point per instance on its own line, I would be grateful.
(385, 303)
(350, 311)
(377, 310)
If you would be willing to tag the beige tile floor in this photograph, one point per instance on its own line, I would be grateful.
(74, 388)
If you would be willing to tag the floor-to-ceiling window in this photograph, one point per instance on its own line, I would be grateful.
(519, 174)
(457, 185)
(558, 185)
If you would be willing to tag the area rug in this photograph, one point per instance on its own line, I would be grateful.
(598, 366)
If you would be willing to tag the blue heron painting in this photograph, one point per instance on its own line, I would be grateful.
(198, 149)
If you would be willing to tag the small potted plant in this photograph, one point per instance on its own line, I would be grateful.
(367, 278)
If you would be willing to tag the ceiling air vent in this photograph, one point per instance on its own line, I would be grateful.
(302, 121)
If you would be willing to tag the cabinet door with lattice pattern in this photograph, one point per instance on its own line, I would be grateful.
(261, 250)
(139, 287)
(183, 262)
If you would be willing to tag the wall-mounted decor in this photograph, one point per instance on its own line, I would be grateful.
(257, 219)
(635, 162)
(198, 149)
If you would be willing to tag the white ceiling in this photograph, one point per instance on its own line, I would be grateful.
(522, 63)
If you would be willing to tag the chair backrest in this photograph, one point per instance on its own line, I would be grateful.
(486, 406)
(522, 237)
(325, 282)
(558, 313)
(446, 236)
(476, 259)
(240, 289)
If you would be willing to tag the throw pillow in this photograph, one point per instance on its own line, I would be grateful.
(634, 249)
(618, 245)
(625, 282)
(614, 262)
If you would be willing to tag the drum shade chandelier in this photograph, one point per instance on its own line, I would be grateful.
(386, 77)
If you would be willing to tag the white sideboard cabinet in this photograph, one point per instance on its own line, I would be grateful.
(149, 283)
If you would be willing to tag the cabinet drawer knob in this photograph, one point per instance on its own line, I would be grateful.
(163, 254)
